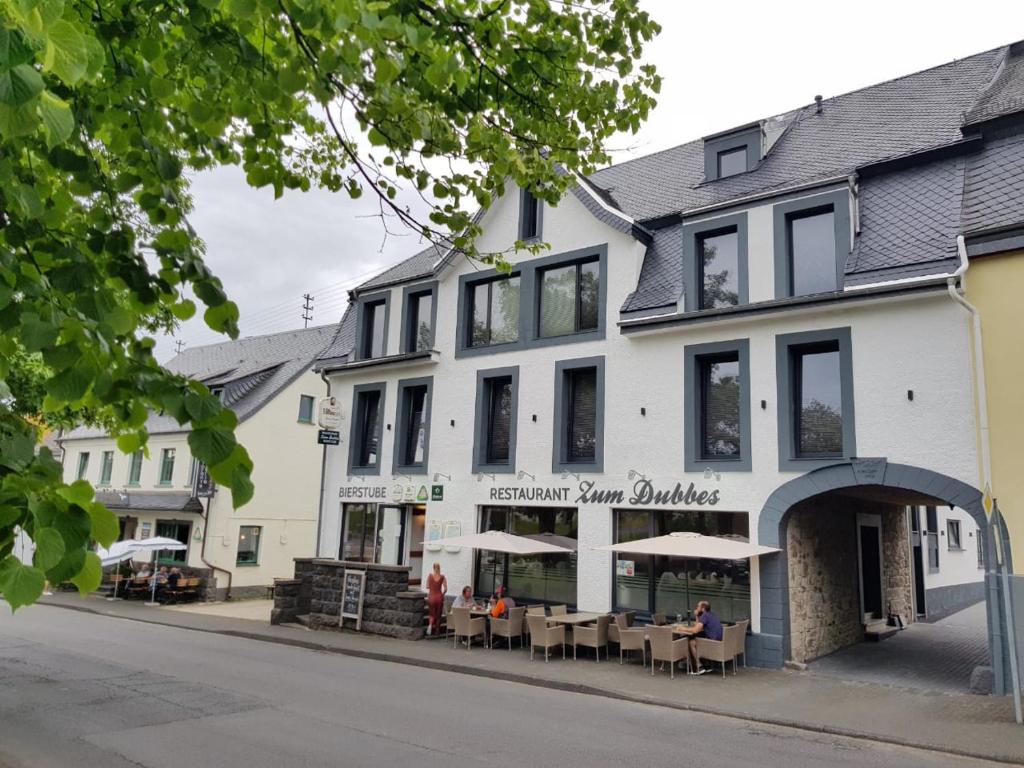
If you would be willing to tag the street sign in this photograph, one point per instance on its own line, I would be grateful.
(437, 493)
(329, 414)
(328, 437)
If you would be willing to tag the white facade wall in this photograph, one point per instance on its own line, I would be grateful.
(286, 474)
(915, 343)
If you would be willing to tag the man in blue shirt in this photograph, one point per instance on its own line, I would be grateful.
(707, 626)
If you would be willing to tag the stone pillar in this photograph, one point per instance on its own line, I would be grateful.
(896, 565)
(286, 601)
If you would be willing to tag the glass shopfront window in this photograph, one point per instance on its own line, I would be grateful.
(672, 585)
(530, 578)
(373, 533)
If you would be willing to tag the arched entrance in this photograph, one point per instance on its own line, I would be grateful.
(866, 481)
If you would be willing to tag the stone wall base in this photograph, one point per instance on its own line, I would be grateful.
(940, 602)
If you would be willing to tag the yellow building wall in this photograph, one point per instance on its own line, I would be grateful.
(995, 285)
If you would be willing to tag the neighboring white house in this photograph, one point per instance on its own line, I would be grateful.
(269, 383)
(748, 335)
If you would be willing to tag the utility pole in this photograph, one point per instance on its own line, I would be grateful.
(178, 345)
(307, 309)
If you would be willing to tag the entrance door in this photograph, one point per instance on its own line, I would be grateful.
(417, 533)
(918, 560)
(390, 534)
(373, 533)
(870, 545)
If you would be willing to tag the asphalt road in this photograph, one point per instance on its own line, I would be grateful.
(79, 690)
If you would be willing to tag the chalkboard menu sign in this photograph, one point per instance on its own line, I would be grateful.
(353, 584)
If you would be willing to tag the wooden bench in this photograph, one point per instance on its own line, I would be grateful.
(186, 589)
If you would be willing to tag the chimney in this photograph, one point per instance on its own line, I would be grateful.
(817, 103)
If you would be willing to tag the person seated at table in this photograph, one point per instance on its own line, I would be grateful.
(144, 572)
(506, 597)
(464, 598)
(707, 626)
(173, 578)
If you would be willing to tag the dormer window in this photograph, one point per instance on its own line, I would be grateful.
(731, 153)
(529, 216)
(732, 161)
(372, 325)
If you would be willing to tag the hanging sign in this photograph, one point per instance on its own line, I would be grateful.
(329, 414)
(328, 437)
(437, 493)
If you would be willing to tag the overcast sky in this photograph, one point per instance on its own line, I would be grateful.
(723, 65)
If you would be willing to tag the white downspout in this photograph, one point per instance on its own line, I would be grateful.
(979, 360)
(986, 459)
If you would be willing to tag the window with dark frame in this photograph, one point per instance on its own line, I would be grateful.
(420, 331)
(167, 466)
(719, 269)
(414, 401)
(569, 298)
(372, 341)
(817, 400)
(720, 397)
(581, 415)
(812, 251)
(249, 545)
(367, 449)
(932, 523)
(493, 312)
(177, 530)
(498, 437)
(529, 217)
(953, 540)
(135, 468)
(980, 544)
(306, 404)
(732, 161)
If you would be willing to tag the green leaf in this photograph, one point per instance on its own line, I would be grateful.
(57, 118)
(201, 407)
(79, 492)
(242, 489)
(211, 444)
(88, 579)
(21, 584)
(129, 442)
(18, 121)
(13, 50)
(66, 54)
(105, 528)
(49, 548)
(71, 384)
(36, 333)
(222, 317)
(20, 85)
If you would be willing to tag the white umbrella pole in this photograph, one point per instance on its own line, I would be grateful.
(152, 594)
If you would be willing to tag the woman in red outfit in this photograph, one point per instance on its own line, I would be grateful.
(437, 586)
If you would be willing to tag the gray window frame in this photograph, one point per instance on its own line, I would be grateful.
(694, 355)
(164, 452)
(259, 547)
(529, 303)
(692, 234)
(355, 428)
(131, 465)
(950, 524)
(82, 468)
(538, 235)
(781, 215)
(408, 337)
(106, 471)
(312, 409)
(714, 145)
(788, 460)
(480, 423)
(559, 462)
(361, 304)
(402, 424)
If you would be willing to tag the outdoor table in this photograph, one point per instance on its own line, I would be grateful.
(572, 619)
(677, 629)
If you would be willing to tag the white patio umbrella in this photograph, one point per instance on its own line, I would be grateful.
(686, 544)
(157, 544)
(119, 552)
(499, 541)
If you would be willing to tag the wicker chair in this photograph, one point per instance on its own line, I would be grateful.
(543, 636)
(658, 619)
(664, 648)
(559, 610)
(510, 627)
(595, 637)
(721, 650)
(628, 638)
(740, 645)
(613, 628)
(466, 626)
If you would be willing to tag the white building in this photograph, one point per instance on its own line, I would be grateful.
(751, 334)
(269, 383)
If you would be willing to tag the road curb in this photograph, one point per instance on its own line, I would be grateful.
(558, 685)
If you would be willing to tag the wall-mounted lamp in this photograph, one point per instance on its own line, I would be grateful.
(633, 475)
(643, 411)
(481, 475)
(389, 427)
(566, 475)
(453, 422)
(910, 394)
(709, 473)
(439, 475)
(534, 418)
(523, 473)
(764, 405)
(360, 478)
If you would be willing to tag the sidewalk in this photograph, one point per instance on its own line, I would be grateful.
(976, 726)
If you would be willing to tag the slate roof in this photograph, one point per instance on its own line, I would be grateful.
(891, 119)
(994, 187)
(1006, 93)
(251, 370)
(420, 264)
(344, 340)
(154, 501)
